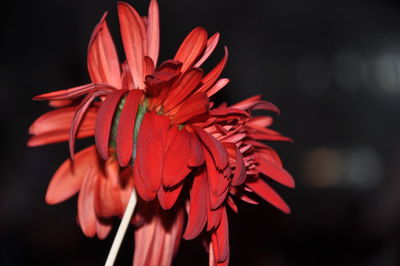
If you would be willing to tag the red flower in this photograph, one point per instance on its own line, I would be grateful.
(156, 133)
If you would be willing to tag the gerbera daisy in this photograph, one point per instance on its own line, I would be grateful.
(158, 136)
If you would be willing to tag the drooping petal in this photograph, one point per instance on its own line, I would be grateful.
(79, 115)
(68, 178)
(107, 200)
(213, 217)
(197, 216)
(214, 146)
(144, 193)
(220, 239)
(263, 190)
(239, 175)
(134, 39)
(192, 47)
(168, 196)
(157, 239)
(103, 62)
(86, 214)
(153, 31)
(151, 149)
(176, 157)
(126, 126)
(104, 121)
(196, 157)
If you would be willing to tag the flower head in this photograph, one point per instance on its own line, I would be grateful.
(158, 134)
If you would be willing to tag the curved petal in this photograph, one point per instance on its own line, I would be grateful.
(103, 62)
(68, 178)
(134, 39)
(191, 48)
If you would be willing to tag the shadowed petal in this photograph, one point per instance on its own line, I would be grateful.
(176, 158)
(157, 239)
(196, 157)
(197, 216)
(104, 121)
(150, 149)
(214, 146)
(126, 126)
(168, 197)
(220, 239)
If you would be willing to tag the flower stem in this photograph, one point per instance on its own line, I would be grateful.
(123, 226)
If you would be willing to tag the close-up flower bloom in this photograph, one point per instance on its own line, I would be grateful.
(160, 135)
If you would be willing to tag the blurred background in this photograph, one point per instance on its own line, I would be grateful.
(333, 68)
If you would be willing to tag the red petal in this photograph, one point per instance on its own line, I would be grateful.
(176, 158)
(197, 216)
(150, 149)
(153, 31)
(275, 172)
(103, 62)
(193, 107)
(168, 197)
(104, 121)
(58, 136)
(220, 239)
(183, 88)
(239, 175)
(221, 83)
(67, 179)
(107, 201)
(72, 92)
(86, 214)
(231, 203)
(79, 115)
(214, 74)
(144, 193)
(196, 157)
(134, 39)
(192, 47)
(214, 146)
(157, 240)
(211, 44)
(61, 103)
(213, 217)
(61, 119)
(103, 229)
(126, 126)
(268, 194)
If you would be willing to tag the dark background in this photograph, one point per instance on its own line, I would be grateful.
(333, 67)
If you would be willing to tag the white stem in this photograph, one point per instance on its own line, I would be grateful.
(123, 226)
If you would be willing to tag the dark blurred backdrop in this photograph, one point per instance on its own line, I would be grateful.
(333, 67)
